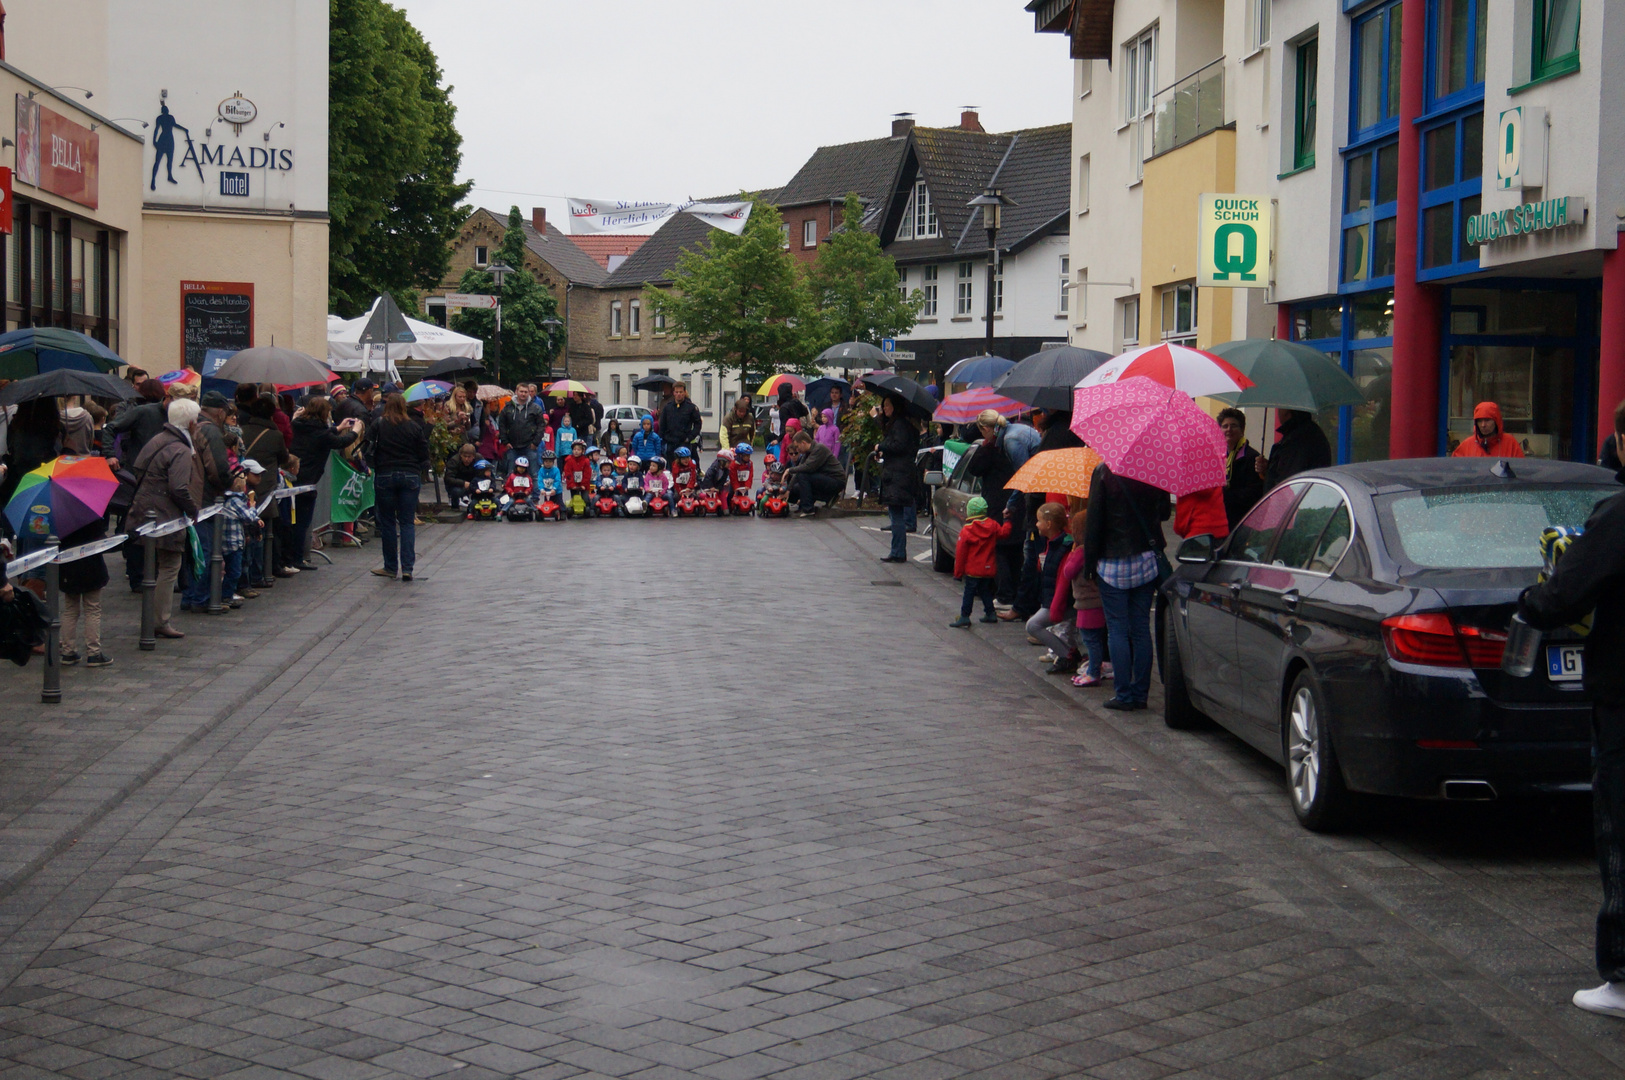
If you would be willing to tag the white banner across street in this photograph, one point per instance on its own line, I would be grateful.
(613, 215)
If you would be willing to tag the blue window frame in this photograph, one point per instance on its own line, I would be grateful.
(1371, 159)
(1374, 73)
(1357, 332)
(1455, 73)
(1452, 183)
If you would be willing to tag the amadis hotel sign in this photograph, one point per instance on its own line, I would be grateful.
(1525, 218)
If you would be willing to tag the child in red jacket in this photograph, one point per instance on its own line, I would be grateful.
(973, 560)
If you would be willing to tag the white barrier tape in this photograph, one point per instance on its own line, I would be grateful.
(18, 567)
(85, 551)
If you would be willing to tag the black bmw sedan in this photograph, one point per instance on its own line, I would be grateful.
(1352, 626)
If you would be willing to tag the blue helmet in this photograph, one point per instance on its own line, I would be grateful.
(482, 464)
(683, 451)
(742, 450)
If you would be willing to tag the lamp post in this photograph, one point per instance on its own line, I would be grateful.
(499, 273)
(992, 201)
(552, 327)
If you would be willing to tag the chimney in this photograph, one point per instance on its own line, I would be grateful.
(968, 121)
(901, 124)
(538, 220)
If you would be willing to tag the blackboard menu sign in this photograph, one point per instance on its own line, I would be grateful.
(215, 315)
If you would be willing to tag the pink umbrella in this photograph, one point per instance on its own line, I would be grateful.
(1148, 432)
(1191, 370)
(965, 406)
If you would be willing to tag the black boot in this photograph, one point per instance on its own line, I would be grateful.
(1066, 665)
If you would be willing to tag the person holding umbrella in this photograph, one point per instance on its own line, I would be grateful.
(899, 440)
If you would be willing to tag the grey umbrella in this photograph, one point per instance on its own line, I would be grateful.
(65, 382)
(1288, 375)
(850, 354)
(274, 364)
(1045, 379)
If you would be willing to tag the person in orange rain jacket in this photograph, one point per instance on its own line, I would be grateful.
(1487, 439)
(974, 560)
(1202, 512)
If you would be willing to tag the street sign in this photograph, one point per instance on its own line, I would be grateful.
(888, 344)
(899, 354)
(470, 300)
(1235, 242)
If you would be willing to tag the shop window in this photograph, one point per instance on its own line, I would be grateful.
(1356, 332)
(928, 286)
(1370, 203)
(1457, 30)
(964, 288)
(76, 274)
(1555, 45)
(1304, 103)
(1533, 384)
(1179, 314)
(1375, 66)
(1452, 170)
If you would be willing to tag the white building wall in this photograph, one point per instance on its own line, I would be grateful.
(1032, 287)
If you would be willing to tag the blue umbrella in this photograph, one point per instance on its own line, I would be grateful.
(38, 349)
(817, 393)
(977, 371)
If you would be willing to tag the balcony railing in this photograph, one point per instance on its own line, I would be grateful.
(1189, 109)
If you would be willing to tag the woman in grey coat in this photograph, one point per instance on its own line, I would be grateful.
(170, 482)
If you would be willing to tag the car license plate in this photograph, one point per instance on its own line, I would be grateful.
(1565, 663)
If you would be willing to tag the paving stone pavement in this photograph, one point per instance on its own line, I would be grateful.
(727, 800)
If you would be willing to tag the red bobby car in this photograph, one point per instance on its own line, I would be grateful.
(741, 504)
(688, 503)
(712, 501)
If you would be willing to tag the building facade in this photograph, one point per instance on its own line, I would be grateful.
(1446, 184)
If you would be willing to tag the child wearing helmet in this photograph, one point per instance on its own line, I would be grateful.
(632, 479)
(657, 480)
(577, 470)
(521, 485)
(607, 484)
(548, 477)
(717, 475)
(685, 474)
(741, 473)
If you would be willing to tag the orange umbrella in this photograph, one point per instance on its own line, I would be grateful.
(1059, 472)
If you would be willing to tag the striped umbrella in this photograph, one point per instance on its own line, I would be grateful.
(965, 406)
(770, 388)
(62, 496)
(185, 376)
(567, 386)
(1191, 371)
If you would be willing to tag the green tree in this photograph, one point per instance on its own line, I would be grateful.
(740, 302)
(393, 155)
(528, 345)
(854, 286)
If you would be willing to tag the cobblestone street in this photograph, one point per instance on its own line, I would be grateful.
(723, 799)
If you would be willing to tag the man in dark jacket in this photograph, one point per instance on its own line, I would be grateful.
(1590, 576)
(818, 475)
(1303, 446)
(1243, 486)
(137, 424)
(582, 418)
(520, 425)
(346, 407)
(263, 442)
(1122, 538)
(209, 446)
(679, 423)
(790, 407)
(459, 474)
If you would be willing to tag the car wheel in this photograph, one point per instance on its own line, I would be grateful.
(1178, 711)
(1313, 776)
(942, 562)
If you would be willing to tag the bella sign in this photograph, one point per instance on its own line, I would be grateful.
(55, 154)
(1526, 218)
(1235, 242)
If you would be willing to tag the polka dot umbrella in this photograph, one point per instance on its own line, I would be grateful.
(1151, 433)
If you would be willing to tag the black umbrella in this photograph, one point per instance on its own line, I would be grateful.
(274, 364)
(915, 399)
(654, 382)
(849, 354)
(64, 382)
(817, 392)
(1045, 379)
(454, 365)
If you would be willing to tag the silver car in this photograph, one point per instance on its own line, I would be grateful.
(630, 416)
(948, 502)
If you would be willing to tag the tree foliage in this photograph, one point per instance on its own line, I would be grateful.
(741, 302)
(393, 155)
(528, 345)
(854, 286)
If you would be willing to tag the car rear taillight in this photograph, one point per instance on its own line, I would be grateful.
(1435, 639)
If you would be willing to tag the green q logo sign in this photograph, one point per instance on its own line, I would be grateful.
(1225, 262)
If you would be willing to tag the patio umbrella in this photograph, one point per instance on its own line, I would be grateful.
(427, 390)
(454, 365)
(1151, 433)
(38, 349)
(770, 387)
(567, 386)
(65, 381)
(1287, 375)
(851, 353)
(1197, 373)
(1045, 379)
(1063, 472)
(274, 364)
(977, 371)
(654, 382)
(916, 399)
(965, 406)
(817, 393)
(61, 497)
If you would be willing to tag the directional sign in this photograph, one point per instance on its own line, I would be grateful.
(470, 300)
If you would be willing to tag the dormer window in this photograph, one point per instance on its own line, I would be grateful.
(919, 217)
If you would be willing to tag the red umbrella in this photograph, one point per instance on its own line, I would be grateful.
(1195, 372)
(965, 406)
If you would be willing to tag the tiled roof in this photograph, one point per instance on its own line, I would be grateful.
(653, 262)
(600, 246)
(1037, 174)
(864, 167)
(555, 250)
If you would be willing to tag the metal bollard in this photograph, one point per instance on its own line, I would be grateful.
(217, 559)
(51, 694)
(266, 562)
(149, 588)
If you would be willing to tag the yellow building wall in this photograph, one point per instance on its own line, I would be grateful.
(1168, 244)
(285, 259)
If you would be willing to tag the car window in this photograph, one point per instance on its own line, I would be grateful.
(959, 481)
(1481, 528)
(1334, 541)
(1253, 536)
(1300, 539)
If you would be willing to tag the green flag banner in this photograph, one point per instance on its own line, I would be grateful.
(952, 451)
(352, 491)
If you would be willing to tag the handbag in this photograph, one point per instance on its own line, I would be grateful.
(1165, 569)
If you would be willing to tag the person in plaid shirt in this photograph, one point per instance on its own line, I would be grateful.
(240, 523)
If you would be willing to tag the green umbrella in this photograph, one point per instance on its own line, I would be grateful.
(1287, 375)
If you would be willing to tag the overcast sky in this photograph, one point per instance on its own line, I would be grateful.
(666, 99)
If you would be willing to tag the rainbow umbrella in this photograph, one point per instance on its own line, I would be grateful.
(181, 375)
(61, 497)
(427, 390)
(965, 406)
(568, 386)
(770, 388)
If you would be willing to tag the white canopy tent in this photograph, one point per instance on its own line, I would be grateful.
(346, 353)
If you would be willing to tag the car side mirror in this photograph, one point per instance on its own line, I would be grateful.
(934, 478)
(1196, 549)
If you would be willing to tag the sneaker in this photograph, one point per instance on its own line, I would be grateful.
(1049, 656)
(98, 659)
(1607, 999)
(807, 514)
(961, 623)
(990, 618)
(1087, 679)
(998, 606)
(68, 658)
(287, 571)
(308, 566)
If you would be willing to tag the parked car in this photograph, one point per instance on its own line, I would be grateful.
(951, 493)
(630, 416)
(1351, 628)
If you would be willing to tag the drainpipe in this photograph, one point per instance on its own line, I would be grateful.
(1415, 410)
(1611, 361)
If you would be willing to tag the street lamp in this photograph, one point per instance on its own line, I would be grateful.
(992, 201)
(499, 273)
(553, 325)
